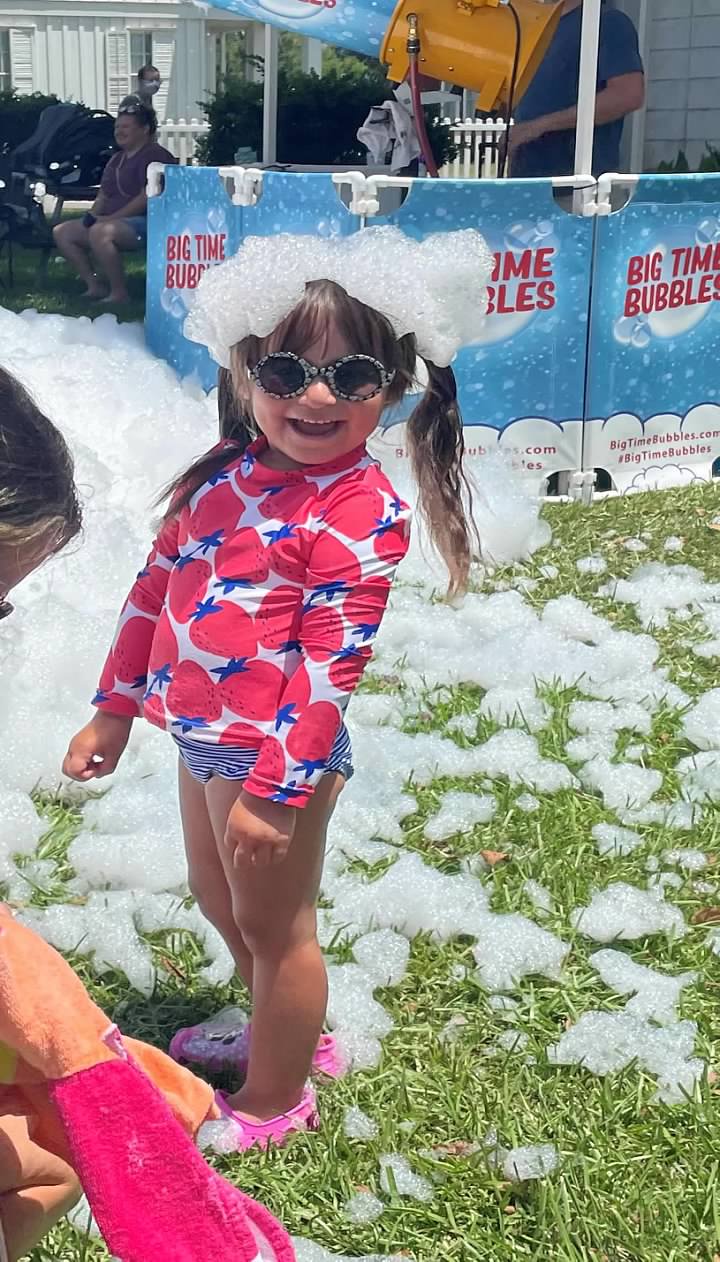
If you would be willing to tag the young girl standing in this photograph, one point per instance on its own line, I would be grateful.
(251, 624)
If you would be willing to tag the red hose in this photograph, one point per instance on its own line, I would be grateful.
(419, 112)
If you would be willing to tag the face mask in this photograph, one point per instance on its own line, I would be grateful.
(149, 89)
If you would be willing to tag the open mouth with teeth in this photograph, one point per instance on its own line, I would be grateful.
(314, 429)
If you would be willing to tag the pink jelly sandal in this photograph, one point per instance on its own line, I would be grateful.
(277, 1130)
(224, 1043)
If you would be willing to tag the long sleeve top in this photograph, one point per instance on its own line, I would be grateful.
(254, 617)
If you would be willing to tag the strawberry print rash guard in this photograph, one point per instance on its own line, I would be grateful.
(253, 620)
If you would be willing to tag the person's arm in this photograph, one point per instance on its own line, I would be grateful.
(97, 748)
(98, 207)
(620, 69)
(622, 95)
(124, 678)
(363, 537)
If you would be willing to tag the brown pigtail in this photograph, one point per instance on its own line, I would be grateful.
(436, 445)
(237, 432)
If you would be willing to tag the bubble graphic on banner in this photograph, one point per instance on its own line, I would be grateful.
(172, 302)
(633, 331)
(216, 220)
(294, 9)
(708, 232)
(528, 236)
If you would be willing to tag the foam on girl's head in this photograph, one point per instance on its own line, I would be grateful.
(434, 288)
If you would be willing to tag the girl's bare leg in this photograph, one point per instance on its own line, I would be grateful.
(206, 875)
(274, 910)
(36, 1188)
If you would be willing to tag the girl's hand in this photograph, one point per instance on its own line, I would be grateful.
(259, 832)
(97, 749)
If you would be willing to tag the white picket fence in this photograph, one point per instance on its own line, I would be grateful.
(480, 143)
(180, 137)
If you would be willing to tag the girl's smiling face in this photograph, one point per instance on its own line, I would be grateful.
(315, 427)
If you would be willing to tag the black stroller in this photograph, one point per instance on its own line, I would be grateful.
(65, 158)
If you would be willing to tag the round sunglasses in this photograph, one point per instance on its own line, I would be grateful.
(355, 378)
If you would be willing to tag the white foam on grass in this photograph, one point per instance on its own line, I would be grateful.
(701, 724)
(513, 1041)
(363, 1207)
(383, 955)
(659, 591)
(108, 927)
(396, 1169)
(222, 1137)
(665, 881)
(602, 717)
(584, 749)
(688, 860)
(593, 564)
(511, 947)
(459, 813)
(20, 828)
(606, 1042)
(613, 840)
(310, 1251)
(357, 1125)
(624, 912)
(539, 895)
(530, 1162)
(520, 707)
(699, 776)
(655, 995)
(527, 802)
(502, 1003)
(622, 786)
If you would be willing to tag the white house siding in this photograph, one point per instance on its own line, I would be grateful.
(683, 107)
(75, 50)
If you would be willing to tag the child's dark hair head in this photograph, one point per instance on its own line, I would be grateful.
(38, 497)
(434, 430)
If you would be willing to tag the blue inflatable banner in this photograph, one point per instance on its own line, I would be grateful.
(653, 409)
(358, 25)
(521, 386)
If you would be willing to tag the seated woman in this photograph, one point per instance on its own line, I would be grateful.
(117, 221)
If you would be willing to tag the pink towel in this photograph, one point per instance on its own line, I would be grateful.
(153, 1195)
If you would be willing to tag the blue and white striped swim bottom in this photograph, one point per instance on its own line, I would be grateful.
(204, 760)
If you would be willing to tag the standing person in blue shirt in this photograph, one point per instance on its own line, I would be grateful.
(542, 142)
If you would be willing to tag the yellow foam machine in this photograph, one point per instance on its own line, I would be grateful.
(477, 44)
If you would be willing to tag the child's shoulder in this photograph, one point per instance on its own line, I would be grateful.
(366, 479)
(364, 502)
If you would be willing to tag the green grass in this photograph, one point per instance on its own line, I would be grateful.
(637, 1180)
(61, 293)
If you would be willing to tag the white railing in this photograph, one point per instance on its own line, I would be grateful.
(480, 143)
(180, 137)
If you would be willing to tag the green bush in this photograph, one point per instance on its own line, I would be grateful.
(19, 117)
(709, 163)
(318, 118)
